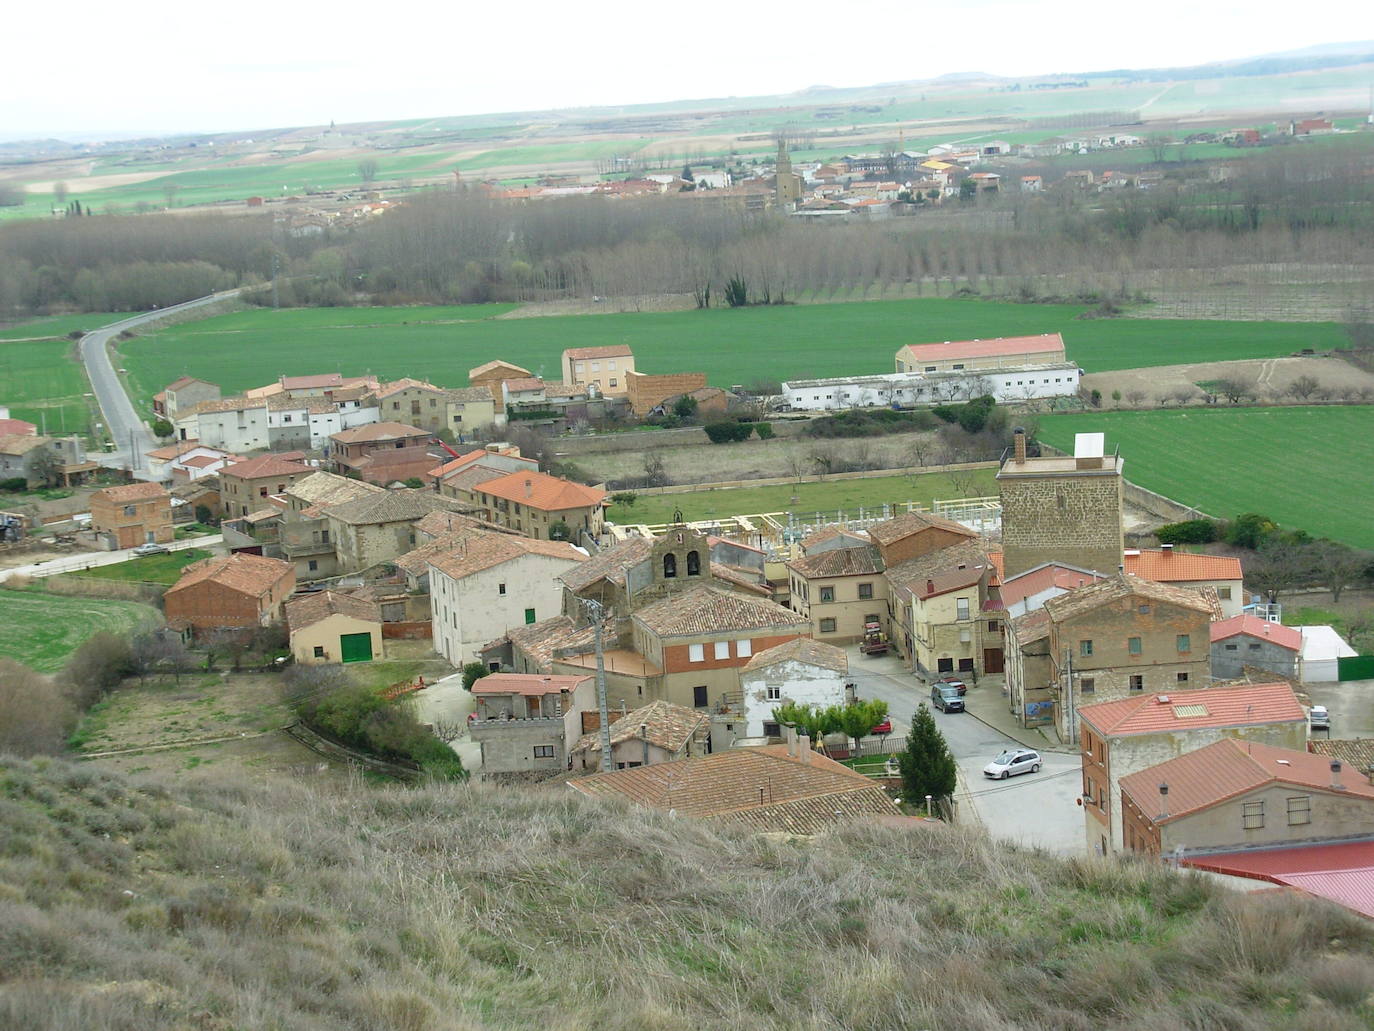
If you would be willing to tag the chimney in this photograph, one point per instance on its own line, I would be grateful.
(1163, 801)
(1166, 548)
(792, 742)
(804, 748)
(930, 586)
(1018, 437)
(1336, 784)
(529, 488)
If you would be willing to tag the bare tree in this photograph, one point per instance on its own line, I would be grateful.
(1235, 390)
(59, 192)
(1279, 566)
(368, 169)
(1304, 387)
(1338, 566)
(1136, 397)
(34, 715)
(45, 466)
(449, 731)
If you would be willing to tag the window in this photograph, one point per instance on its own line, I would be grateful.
(1133, 645)
(827, 594)
(1144, 610)
(1137, 682)
(696, 653)
(669, 566)
(1184, 642)
(722, 650)
(1299, 809)
(1224, 593)
(772, 730)
(319, 651)
(957, 366)
(865, 592)
(993, 626)
(1252, 815)
(1254, 646)
(1085, 648)
(774, 693)
(699, 697)
(827, 626)
(1182, 678)
(1087, 685)
(312, 565)
(693, 564)
(500, 588)
(961, 608)
(744, 648)
(610, 367)
(966, 665)
(930, 368)
(529, 616)
(543, 751)
(130, 510)
(613, 383)
(1232, 647)
(944, 665)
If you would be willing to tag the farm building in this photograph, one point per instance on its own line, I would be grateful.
(334, 627)
(902, 389)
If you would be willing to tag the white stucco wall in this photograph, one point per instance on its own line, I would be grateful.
(793, 681)
(909, 388)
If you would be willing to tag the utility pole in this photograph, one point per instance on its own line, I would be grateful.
(596, 611)
(1068, 695)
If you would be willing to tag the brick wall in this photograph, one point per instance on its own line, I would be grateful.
(645, 391)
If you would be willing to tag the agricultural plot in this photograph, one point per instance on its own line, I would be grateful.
(42, 630)
(820, 496)
(41, 381)
(158, 569)
(729, 345)
(1309, 468)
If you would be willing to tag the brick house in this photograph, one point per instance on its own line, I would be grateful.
(1116, 638)
(347, 446)
(245, 486)
(644, 391)
(490, 375)
(1235, 795)
(535, 502)
(1123, 737)
(602, 367)
(237, 591)
(132, 514)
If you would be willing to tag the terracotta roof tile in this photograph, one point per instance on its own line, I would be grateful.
(253, 575)
(543, 492)
(497, 366)
(1033, 626)
(1251, 705)
(860, 538)
(1227, 768)
(311, 608)
(607, 351)
(1018, 588)
(472, 475)
(441, 522)
(265, 465)
(1358, 754)
(900, 527)
(468, 394)
(470, 551)
(530, 685)
(943, 570)
(664, 724)
(322, 488)
(1175, 566)
(538, 640)
(1260, 629)
(706, 610)
(385, 390)
(745, 579)
(391, 506)
(863, 561)
(132, 492)
(612, 564)
(514, 386)
(1009, 346)
(20, 443)
(1104, 592)
(803, 649)
(378, 431)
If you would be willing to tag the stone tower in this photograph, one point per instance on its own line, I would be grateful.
(787, 184)
(1062, 508)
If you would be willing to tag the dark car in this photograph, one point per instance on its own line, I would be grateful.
(954, 681)
(945, 697)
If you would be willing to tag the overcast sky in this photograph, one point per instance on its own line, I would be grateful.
(158, 66)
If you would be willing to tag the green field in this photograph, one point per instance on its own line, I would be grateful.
(1305, 467)
(246, 349)
(41, 630)
(157, 569)
(42, 383)
(820, 496)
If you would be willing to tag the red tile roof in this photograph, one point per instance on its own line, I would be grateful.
(1018, 588)
(543, 492)
(1250, 705)
(132, 492)
(1260, 629)
(1342, 872)
(1228, 768)
(265, 465)
(608, 351)
(900, 527)
(706, 610)
(378, 431)
(1175, 566)
(1008, 346)
(497, 366)
(804, 650)
(467, 551)
(309, 609)
(531, 685)
(253, 575)
(17, 428)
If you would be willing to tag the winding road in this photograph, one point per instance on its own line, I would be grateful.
(131, 435)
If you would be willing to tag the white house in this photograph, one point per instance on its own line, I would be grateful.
(484, 583)
(803, 671)
(234, 424)
(1022, 383)
(186, 460)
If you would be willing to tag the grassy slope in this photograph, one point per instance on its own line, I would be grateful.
(217, 903)
(159, 569)
(731, 346)
(1289, 463)
(824, 497)
(41, 630)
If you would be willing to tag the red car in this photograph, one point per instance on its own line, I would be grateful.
(955, 682)
(885, 727)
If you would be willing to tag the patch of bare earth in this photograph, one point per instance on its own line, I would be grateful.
(1270, 375)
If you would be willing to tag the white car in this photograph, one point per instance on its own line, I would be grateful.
(1012, 762)
(1319, 718)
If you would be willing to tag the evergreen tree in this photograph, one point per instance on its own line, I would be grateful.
(926, 765)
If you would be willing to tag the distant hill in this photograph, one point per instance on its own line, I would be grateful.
(218, 903)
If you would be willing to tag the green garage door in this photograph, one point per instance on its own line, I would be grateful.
(355, 647)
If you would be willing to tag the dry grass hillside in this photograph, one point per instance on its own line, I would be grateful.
(216, 904)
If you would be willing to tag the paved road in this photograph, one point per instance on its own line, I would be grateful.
(124, 425)
(87, 559)
(1035, 809)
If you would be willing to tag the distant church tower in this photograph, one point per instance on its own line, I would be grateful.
(787, 184)
(1062, 509)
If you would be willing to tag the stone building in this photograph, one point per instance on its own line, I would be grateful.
(840, 590)
(659, 732)
(1062, 509)
(1250, 641)
(1123, 737)
(523, 722)
(604, 368)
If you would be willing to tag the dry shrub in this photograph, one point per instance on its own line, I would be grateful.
(34, 717)
(16, 582)
(1343, 980)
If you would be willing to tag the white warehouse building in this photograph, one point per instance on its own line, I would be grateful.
(905, 389)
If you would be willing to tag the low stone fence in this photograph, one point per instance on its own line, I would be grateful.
(647, 440)
(93, 587)
(418, 630)
(773, 481)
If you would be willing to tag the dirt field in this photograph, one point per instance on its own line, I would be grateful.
(1270, 374)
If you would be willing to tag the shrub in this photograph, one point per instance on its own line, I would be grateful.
(34, 717)
(946, 413)
(102, 661)
(728, 431)
(973, 416)
(473, 672)
(16, 484)
(763, 430)
(1190, 531)
(1249, 530)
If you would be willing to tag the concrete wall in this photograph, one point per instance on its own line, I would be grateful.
(1332, 815)
(325, 635)
(508, 745)
(1229, 657)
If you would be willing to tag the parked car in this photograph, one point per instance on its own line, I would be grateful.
(953, 681)
(1011, 762)
(150, 549)
(885, 727)
(945, 697)
(1319, 718)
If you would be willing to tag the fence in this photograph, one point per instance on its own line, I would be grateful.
(1355, 667)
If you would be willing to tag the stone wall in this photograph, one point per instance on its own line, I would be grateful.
(645, 391)
(1070, 518)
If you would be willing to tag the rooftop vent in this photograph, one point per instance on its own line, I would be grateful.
(1163, 699)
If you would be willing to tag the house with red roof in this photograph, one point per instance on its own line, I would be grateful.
(602, 367)
(536, 504)
(1236, 796)
(962, 355)
(1247, 640)
(1121, 738)
(245, 486)
(132, 514)
(1168, 565)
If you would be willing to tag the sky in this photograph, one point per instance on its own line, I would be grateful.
(153, 66)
